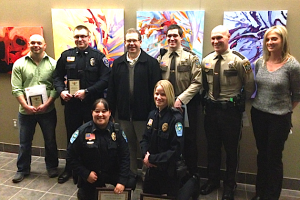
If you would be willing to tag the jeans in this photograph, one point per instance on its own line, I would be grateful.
(27, 123)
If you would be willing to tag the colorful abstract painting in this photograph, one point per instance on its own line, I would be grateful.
(247, 29)
(153, 26)
(14, 44)
(106, 27)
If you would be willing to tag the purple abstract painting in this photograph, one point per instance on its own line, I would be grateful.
(247, 30)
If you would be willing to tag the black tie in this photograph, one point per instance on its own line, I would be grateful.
(216, 80)
(172, 77)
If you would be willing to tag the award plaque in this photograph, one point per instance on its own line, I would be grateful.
(73, 86)
(109, 194)
(36, 100)
(144, 196)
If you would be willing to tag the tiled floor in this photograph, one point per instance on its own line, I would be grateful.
(38, 186)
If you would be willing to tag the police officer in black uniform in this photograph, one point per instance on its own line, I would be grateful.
(162, 143)
(98, 152)
(87, 68)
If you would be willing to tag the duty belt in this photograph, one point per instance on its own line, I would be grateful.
(220, 104)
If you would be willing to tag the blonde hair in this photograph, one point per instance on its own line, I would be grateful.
(169, 91)
(282, 32)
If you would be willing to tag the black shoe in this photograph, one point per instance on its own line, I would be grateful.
(63, 177)
(52, 173)
(228, 195)
(208, 187)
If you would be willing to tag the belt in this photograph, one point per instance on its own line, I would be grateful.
(220, 104)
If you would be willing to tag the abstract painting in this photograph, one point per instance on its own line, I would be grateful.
(247, 29)
(106, 27)
(14, 44)
(153, 26)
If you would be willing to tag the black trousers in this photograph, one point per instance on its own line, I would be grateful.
(159, 182)
(76, 113)
(270, 131)
(87, 191)
(222, 126)
(190, 151)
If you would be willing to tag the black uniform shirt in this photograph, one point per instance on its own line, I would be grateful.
(103, 151)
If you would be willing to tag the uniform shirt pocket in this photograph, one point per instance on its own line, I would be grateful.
(231, 76)
(71, 70)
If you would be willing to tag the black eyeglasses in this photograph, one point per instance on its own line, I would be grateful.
(80, 36)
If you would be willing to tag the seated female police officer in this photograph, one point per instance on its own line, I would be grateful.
(98, 152)
(162, 143)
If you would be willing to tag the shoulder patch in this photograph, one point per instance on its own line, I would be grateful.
(239, 55)
(179, 129)
(247, 66)
(105, 61)
(124, 136)
(74, 136)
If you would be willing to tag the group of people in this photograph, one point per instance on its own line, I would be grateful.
(155, 104)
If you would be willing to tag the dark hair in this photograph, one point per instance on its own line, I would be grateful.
(79, 27)
(101, 100)
(175, 26)
(133, 30)
(106, 106)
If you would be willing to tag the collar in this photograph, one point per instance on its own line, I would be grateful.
(178, 51)
(86, 51)
(132, 61)
(45, 56)
(95, 127)
(162, 112)
(224, 55)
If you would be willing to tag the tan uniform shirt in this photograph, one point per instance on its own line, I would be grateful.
(187, 73)
(235, 72)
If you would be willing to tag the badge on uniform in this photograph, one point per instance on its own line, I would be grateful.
(164, 127)
(232, 64)
(179, 129)
(105, 61)
(124, 136)
(74, 136)
(150, 122)
(247, 66)
(113, 136)
(70, 58)
(92, 62)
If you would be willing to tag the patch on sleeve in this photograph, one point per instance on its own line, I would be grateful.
(179, 129)
(124, 136)
(105, 61)
(247, 66)
(74, 136)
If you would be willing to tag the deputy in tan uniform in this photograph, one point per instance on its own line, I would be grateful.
(228, 78)
(182, 68)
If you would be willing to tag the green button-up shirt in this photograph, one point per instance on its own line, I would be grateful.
(26, 73)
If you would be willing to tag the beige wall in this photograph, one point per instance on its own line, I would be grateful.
(38, 13)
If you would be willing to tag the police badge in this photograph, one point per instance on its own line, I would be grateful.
(113, 136)
(164, 127)
(92, 62)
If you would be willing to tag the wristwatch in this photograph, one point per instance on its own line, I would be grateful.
(86, 91)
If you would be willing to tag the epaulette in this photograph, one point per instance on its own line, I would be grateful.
(188, 50)
(162, 51)
(209, 53)
(177, 114)
(239, 55)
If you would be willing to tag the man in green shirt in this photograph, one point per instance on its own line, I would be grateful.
(32, 85)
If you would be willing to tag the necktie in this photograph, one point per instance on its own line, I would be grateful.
(216, 79)
(172, 77)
